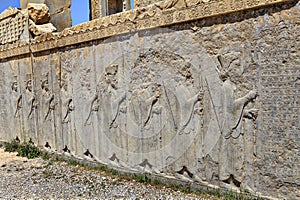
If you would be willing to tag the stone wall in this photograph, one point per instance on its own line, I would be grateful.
(213, 100)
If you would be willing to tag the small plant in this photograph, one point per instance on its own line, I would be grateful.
(73, 162)
(24, 149)
(142, 178)
(45, 155)
(12, 146)
(156, 182)
(28, 150)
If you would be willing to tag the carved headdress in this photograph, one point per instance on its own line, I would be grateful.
(14, 83)
(111, 69)
(28, 82)
(45, 81)
(225, 66)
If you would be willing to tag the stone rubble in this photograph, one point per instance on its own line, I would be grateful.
(39, 13)
(21, 178)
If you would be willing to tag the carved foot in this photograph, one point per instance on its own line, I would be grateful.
(196, 178)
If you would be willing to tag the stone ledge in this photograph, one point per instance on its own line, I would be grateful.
(155, 15)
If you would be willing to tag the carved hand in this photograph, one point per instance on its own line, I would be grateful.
(251, 113)
(157, 94)
(252, 94)
(200, 95)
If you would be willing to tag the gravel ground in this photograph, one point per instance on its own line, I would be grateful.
(21, 178)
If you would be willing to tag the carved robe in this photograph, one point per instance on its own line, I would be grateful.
(231, 143)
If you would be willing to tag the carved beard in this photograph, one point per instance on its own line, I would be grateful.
(14, 87)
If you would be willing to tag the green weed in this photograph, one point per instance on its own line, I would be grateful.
(12, 146)
(28, 150)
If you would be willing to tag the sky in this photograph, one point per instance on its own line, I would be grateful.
(79, 9)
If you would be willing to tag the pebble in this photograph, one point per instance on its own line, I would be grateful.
(41, 179)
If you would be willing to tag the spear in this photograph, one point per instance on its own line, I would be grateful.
(168, 101)
(214, 107)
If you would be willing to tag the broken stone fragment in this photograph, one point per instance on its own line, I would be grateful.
(40, 29)
(39, 13)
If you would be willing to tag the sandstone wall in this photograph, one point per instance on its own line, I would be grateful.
(213, 100)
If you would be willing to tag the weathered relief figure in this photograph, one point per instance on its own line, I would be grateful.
(93, 108)
(31, 97)
(69, 130)
(48, 96)
(68, 109)
(17, 97)
(67, 102)
(113, 96)
(163, 108)
(228, 121)
(47, 101)
(187, 100)
(113, 108)
(249, 130)
(14, 109)
(156, 110)
(145, 104)
(190, 100)
(29, 110)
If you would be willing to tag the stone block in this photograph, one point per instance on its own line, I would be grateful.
(41, 29)
(60, 13)
(39, 13)
(62, 20)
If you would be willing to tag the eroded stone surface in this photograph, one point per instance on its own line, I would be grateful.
(214, 100)
(143, 3)
(39, 13)
(41, 29)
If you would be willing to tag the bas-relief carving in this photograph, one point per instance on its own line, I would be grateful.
(12, 101)
(31, 100)
(162, 103)
(47, 104)
(148, 104)
(231, 126)
(30, 104)
(68, 119)
(140, 114)
(114, 108)
(17, 96)
(93, 108)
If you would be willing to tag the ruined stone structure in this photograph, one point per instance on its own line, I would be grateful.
(59, 11)
(205, 91)
(102, 8)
